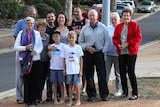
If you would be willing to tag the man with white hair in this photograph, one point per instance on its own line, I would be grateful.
(112, 56)
(94, 40)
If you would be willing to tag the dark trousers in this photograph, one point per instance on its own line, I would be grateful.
(95, 60)
(49, 86)
(43, 70)
(127, 65)
(31, 83)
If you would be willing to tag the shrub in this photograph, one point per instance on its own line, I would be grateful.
(11, 10)
(43, 9)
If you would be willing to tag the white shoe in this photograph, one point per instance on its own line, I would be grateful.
(117, 94)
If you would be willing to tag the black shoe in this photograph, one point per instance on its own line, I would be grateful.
(91, 99)
(105, 98)
(27, 104)
(48, 100)
(124, 96)
(133, 97)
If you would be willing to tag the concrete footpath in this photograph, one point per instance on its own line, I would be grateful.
(148, 60)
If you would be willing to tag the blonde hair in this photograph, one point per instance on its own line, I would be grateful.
(29, 19)
(72, 33)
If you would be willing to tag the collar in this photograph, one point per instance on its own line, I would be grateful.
(94, 26)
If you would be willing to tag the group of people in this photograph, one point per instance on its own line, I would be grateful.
(59, 52)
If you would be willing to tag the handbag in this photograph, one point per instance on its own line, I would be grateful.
(27, 66)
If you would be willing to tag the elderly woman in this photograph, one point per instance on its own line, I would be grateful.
(44, 62)
(29, 44)
(127, 38)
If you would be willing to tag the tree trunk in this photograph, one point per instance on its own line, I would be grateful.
(68, 9)
(113, 5)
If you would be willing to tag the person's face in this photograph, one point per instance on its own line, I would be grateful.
(93, 16)
(50, 18)
(114, 20)
(77, 12)
(126, 17)
(42, 29)
(56, 38)
(32, 13)
(29, 25)
(61, 19)
(72, 39)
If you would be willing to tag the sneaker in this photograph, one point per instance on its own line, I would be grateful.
(117, 94)
(133, 97)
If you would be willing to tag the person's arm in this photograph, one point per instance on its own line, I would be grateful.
(64, 67)
(38, 47)
(81, 66)
(17, 45)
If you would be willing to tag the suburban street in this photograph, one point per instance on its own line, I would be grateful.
(149, 28)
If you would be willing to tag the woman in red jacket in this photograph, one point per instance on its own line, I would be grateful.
(127, 37)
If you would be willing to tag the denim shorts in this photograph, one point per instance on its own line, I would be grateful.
(56, 76)
(73, 79)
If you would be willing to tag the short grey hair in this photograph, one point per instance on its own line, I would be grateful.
(29, 19)
(115, 14)
(93, 10)
(32, 7)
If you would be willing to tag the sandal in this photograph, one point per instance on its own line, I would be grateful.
(20, 101)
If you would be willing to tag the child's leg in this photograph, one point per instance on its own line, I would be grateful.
(55, 92)
(78, 101)
(70, 94)
(62, 100)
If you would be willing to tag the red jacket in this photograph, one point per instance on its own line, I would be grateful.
(134, 37)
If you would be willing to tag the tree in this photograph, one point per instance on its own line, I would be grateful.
(113, 5)
(68, 9)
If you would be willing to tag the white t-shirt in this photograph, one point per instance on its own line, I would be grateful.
(56, 61)
(72, 56)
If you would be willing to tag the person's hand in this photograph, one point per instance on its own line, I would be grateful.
(49, 54)
(33, 53)
(64, 72)
(90, 49)
(80, 73)
(29, 47)
(123, 46)
(52, 48)
(77, 31)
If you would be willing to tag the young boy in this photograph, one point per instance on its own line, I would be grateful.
(73, 63)
(56, 67)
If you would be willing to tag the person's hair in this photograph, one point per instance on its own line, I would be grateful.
(78, 6)
(31, 7)
(93, 10)
(41, 23)
(56, 21)
(29, 19)
(115, 14)
(56, 32)
(49, 12)
(127, 10)
(72, 33)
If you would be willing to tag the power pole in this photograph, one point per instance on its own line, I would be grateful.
(106, 12)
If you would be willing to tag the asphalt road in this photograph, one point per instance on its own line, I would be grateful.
(150, 31)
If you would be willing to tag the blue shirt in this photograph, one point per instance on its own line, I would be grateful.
(21, 25)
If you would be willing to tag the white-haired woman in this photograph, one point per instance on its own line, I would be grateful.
(29, 44)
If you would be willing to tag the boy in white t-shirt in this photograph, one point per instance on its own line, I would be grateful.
(56, 67)
(73, 63)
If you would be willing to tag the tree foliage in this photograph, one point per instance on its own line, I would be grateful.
(10, 9)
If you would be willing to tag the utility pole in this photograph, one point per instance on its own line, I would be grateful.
(106, 12)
